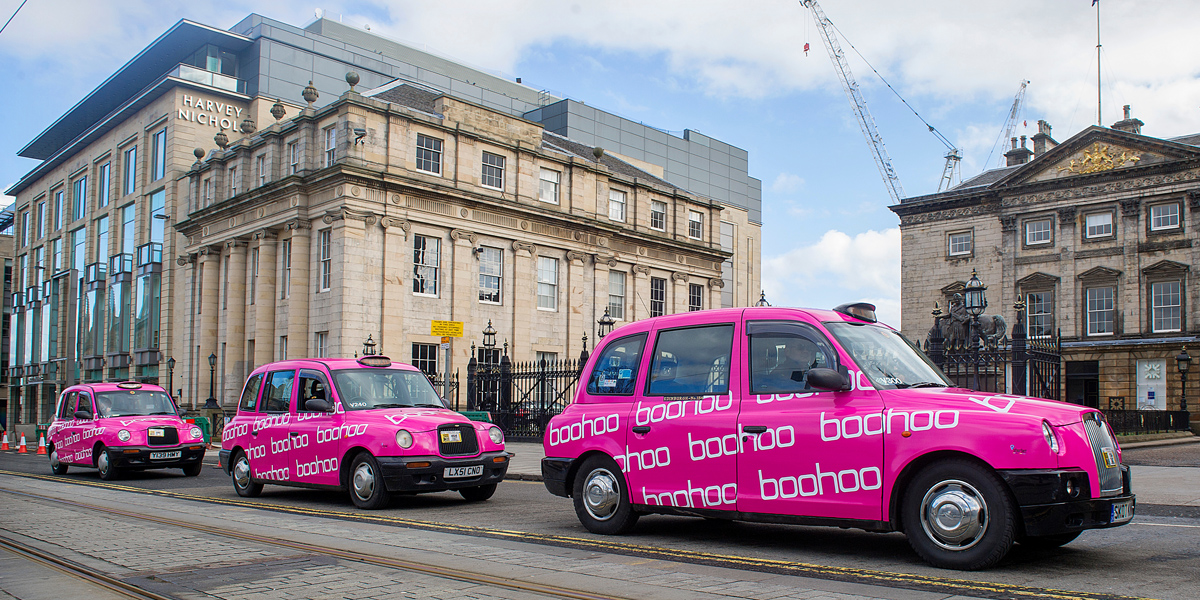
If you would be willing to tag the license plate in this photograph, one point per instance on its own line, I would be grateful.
(451, 437)
(165, 455)
(1122, 511)
(1110, 457)
(156, 432)
(456, 472)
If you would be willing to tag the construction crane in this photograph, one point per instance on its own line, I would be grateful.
(1014, 115)
(950, 174)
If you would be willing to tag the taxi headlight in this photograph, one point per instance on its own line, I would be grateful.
(496, 435)
(1051, 439)
(197, 433)
(123, 435)
(404, 439)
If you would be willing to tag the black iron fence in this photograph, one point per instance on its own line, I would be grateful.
(439, 383)
(522, 396)
(1128, 420)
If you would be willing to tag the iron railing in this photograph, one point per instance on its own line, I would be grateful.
(1128, 419)
(521, 397)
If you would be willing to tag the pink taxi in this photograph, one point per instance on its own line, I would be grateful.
(371, 426)
(117, 426)
(819, 417)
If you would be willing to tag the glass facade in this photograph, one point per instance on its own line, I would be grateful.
(147, 297)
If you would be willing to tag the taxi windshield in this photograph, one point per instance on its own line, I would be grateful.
(133, 403)
(365, 389)
(887, 358)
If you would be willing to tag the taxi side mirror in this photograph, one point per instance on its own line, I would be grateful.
(317, 405)
(83, 415)
(182, 412)
(827, 379)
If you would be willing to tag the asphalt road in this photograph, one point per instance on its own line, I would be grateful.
(1154, 556)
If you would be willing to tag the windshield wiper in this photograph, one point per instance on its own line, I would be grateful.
(431, 405)
(392, 405)
(160, 413)
(920, 384)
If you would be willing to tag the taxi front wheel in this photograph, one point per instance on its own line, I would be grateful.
(240, 473)
(957, 515)
(601, 498)
(478, 493)
(192, 470)
(367, 489)
(108, 471)
(56, 466)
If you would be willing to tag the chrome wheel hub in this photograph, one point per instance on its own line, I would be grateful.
(601, 494)
(54, 459)
(954, 515)
(363, 481)
(102, 462)
(241, 472)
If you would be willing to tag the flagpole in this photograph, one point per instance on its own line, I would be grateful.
(1099, 112)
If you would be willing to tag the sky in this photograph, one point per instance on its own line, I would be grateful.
(734, 71)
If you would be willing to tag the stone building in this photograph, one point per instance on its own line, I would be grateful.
(98, 290)
(1097, 236)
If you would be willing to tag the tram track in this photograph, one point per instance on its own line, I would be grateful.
(982, 589)
(79, 572)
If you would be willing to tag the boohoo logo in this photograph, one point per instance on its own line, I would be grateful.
(271, 421)
(334, 434)
(694, 497)
(878, 423)
(234, 431)
(646, 459)
(289, 443)
(584, 428)
(1008, 402)
(813, 484)
(316, 467)
(679, 408)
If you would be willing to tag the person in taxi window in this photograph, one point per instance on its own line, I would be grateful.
(791, 374)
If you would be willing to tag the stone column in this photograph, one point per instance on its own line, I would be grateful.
(210, 273)
(395, 249)
(301, 289)
(524, 299)
(679, 291)
(603, 264)
(265, 297)
(235, 319)
(715, 286)
(577, 307)
(639, 288)
(463, 292)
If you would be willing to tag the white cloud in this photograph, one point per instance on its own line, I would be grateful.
(787, 183)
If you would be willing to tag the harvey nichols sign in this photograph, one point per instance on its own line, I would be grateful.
(209, 112)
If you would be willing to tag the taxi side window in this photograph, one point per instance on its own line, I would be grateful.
(616, 371)
(66, 410)
(85, 402)
(278, 392)
(691, 360)
(783, 352)
(250, 393)
(312, 387)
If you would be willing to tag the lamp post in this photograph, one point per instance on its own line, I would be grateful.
(1182, 362)
(170, 374)
(975, 301)
(605, 326)
(211, 403)
(762, 299)
(369, 346)
(489, 339)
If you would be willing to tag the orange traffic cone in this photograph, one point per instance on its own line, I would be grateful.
(21, 448)
(4, 444)
(42, 445)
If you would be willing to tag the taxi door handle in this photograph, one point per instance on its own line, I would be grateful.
(293, 434)
(754, 429)
(641, 429)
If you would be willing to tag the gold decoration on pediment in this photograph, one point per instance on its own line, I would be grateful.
(1100, 158)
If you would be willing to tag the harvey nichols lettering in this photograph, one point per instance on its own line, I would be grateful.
(204, 109)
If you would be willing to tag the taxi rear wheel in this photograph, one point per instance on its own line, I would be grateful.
(478, 493)
(601, 498)
(240, 473)
(367, 489)
(108, 471)
(192, 470)
(56, 466)
(1046, 542)
(957, 515)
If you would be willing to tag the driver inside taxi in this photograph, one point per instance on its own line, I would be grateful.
(791, 374)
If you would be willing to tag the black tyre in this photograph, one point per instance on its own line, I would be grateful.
(478, 493)
(192, 470)
(56, 466)
(957, 515)
(1046, 542)
(367, 489)
(601, 497)
(240, 474)
(108, 471)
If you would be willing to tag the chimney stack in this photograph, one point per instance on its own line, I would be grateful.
(1128, 124)
(1018, 155)
(1042, 142)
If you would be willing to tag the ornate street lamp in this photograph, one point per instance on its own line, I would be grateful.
(762, 299)
(369, 346)
(605, 326)
(170, 374)
(974, 299)
(489, 336)
(211, 403)
(1182, 362)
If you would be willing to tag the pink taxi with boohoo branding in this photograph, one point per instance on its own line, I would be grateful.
(114, 427)
(369, 426)
(820, 417)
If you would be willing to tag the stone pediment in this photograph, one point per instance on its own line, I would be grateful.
(1166, 267)
(1038, 279)
(1099, 150)
(1099, 273)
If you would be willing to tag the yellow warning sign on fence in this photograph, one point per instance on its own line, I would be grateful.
(446, 328)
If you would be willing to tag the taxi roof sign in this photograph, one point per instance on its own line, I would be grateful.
(864, 311)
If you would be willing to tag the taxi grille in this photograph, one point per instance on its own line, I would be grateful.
(1111, 482)
(170, 437)
(468, 444)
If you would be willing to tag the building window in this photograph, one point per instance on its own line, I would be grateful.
(56, 262)
(695, 297)
(285, 259)
(253, 274)
(58, 210)
(426, 261)
(293, 150)
(330, 145)
(282, 348)
(1038, 232)
(548, 190)
(429, 154)
(616, 295)
(616, 205)
(158, 224)
(1098, 225)
(658, 215)
(158, 155)
(260, 167)
(322, 343)
(960, 243)
(104, 183)
(491, 263)
(24, 229)
(547, 290)
(326, 250)
(1164, 216)
(1039, 308)
(1100, 311)
(41, 220)
(130, 181)
(101, 238)
(225, 283)
(208, 191)
(695, 225)
(493, 171)
(79, 250)
(78, 198)
(425, 358)
(233, 181)
(658, 296)
(1166, 306)
(128, 241)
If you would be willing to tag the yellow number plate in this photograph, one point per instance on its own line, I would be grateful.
(450, 437)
